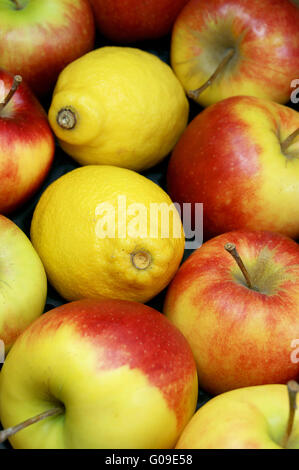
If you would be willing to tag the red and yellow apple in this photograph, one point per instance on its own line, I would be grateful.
(122, 374)
(38, 38)
(247, 418)
(132, 20)
(240, 158)
(241, 334)
(252, 44)
(23, 282)
(26, 143)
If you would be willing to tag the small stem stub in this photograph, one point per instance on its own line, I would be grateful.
(6, 433)
(17, 4)
(293, 389)
(231, 248)
(194, 94)
(66, 118)
(141, 259)
(15, 85)
(289, 140)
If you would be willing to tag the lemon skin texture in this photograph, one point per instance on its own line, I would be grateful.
(81, 259)
(118, 106)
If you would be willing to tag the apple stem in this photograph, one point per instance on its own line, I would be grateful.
(293, 389)
(289, 140)
(16, 82)
(6, 433)
(18, 6)
(195, 93)
(231, 248)
(66, 118)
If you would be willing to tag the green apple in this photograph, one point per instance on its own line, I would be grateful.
(247, 418)
(23, 282)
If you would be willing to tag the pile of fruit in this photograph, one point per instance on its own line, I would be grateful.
(149, 224)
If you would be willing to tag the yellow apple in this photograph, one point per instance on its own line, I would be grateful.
(246, 418)
(120, 373)
(23, 282)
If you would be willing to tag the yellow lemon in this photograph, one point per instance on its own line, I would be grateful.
(103, 231)
(118, 106)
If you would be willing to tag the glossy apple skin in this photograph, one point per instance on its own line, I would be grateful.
(125, 374)
(229, 158)
(264, 34)
(239, 336)
(23, 282)
(39, 40)
(131, 20)
(247, 418)
(26, 146)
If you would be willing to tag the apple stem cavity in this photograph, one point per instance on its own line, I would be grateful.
(15, 85)
(6, 433)
(231, 248)
(66, 119)
(194, 94)
(293, 389)
(289, 140)
(141, 259)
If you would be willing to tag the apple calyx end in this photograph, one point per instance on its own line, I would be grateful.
(141, 259)
(66, 118)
